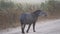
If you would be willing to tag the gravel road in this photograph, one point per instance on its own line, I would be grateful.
(43, 27)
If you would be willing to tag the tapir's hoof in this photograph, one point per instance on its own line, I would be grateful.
(34, 31)
(23, 32)
(26, 31)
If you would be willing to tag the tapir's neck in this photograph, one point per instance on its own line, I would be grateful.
(35, 16)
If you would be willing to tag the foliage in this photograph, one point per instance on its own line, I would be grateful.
(52, 6)
(10, 11)
(5, 4)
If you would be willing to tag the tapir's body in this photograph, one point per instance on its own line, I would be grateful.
(30, 18)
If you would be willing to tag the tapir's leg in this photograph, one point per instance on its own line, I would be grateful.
(28, 28)
(22, 27)
(33, 27)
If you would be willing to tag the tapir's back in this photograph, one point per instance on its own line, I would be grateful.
(26, 18)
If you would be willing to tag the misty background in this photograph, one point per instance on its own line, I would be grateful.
(10, 10)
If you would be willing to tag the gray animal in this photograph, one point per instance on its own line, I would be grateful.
(30, 19)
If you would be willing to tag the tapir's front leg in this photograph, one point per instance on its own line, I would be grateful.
(28, 28)
(33, 27)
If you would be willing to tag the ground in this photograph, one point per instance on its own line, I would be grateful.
(43, 27)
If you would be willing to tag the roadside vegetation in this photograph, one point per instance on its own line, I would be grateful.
(10, 11)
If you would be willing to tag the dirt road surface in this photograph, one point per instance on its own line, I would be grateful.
(43, 27)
